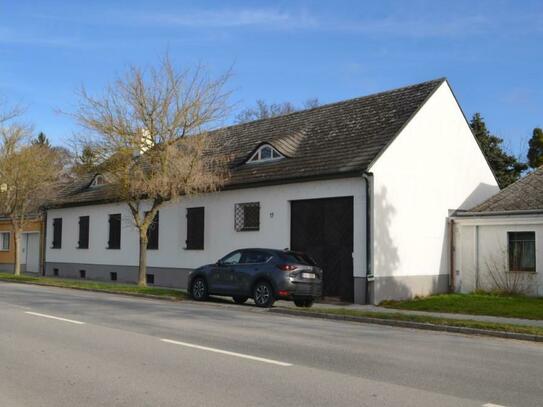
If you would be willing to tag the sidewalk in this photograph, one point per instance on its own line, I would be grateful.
(375, 308)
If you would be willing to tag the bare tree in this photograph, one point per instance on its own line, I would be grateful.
(263, 110)
(27, 174)
(148, 138)
(503, 280)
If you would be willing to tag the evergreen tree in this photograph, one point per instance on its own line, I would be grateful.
(535, 149)
(506, 167)
(41, 140)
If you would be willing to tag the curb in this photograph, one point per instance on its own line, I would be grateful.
(412, 324)
(150, 296)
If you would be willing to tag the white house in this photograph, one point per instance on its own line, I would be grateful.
(364, 186)
(499, 243)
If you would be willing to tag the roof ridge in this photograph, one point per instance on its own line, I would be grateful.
(339, 102)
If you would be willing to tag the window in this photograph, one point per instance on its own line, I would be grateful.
(247, 216)
(152, 234)
(83, 242)
(57, 233)
(254, 256)
(82, 274)
(232, 258)
(114, 241)
(521, 251)
(4, 241)
(150, 279)
(195, 229)
(265, 153)
(113, 276)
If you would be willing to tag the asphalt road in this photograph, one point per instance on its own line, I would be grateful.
(108, 350)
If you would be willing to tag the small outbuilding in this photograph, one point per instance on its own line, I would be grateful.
(499, 243)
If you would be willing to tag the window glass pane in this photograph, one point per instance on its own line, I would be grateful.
(233, 258)
(293, 257)
(521, 251)
(275, 154)
(265, 153)
(5, 241)
(255, 257)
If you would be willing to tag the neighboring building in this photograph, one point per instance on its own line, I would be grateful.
(30, 249)
(364, 186)
(500, 242)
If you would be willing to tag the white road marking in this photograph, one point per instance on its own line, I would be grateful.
(53, 317)
(225, 352)
(492, 405)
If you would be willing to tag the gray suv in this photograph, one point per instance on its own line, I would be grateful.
(265, 275)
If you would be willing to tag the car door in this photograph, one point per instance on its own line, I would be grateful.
(222, 276)
(251, 265)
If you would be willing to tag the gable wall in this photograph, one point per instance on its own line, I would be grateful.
(433, 165)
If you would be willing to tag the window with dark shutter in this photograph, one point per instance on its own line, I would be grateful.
(247, 216)
(83, 232)
(57, 233)
(195, 229)
(114, 241)
(152, 234)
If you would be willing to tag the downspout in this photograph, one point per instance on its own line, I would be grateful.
(43, 241)
(476, 257)
(368, 178)
(452, 280)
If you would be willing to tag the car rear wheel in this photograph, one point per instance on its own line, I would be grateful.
(199, 290)
(306, 303)
(263, 295)
(240, 300)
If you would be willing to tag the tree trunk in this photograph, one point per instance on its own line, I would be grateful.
(142, 267)
(16, 246)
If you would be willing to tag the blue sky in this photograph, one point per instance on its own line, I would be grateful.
(491, 51)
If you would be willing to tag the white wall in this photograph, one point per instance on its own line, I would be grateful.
(433, 165)
(220, 236)
(482, 243)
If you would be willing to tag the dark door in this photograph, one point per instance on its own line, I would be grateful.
(323, 228)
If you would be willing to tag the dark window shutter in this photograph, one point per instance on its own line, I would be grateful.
(152, 234)
(114, 231)
(57, 233)
(83, 232)
(195, 228)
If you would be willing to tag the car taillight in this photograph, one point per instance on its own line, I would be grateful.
(286, 267)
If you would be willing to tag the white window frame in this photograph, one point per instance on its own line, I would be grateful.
(257, 156)
(95, 183)
(2, 233)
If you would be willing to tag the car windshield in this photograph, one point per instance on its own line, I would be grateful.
(298, 258)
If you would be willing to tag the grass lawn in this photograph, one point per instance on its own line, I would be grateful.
(475, 304)
(96, 286)
(492, 326)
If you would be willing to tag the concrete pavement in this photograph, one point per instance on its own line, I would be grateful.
(62, 347)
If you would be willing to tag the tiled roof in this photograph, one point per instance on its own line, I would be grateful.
(524, 195)
(334, 140)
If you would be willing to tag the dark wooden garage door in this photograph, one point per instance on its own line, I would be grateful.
(323, 228)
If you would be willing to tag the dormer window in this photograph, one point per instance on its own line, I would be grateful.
(98, 180)
(265, 153)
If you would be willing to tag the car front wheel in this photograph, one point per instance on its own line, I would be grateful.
(263, 295)
(198, 289)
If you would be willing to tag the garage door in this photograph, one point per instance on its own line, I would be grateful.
(323, 228)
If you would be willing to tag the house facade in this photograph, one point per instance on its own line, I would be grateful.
(364, 186)
(499, 243)
(31, 249)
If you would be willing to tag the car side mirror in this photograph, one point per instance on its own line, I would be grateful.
(220, 263)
